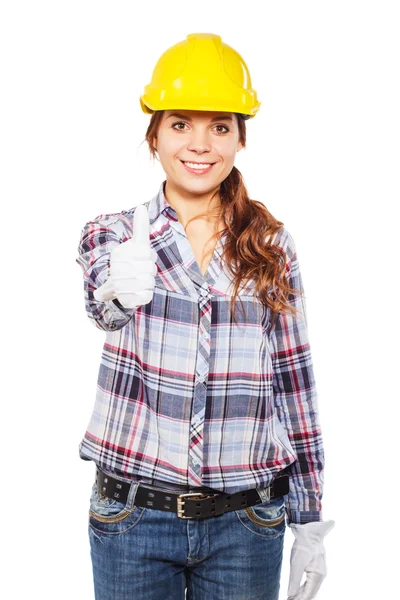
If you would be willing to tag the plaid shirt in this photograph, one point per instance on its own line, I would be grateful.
(185, 396)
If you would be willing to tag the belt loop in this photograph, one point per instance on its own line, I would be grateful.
(130, 501)
(265, 494)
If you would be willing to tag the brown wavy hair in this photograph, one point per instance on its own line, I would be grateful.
(248, 256)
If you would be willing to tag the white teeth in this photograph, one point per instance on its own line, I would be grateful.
(197, 166)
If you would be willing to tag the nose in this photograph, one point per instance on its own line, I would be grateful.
(199, 143)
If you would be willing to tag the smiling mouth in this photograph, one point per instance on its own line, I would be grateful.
(196, 168)
(197, 163)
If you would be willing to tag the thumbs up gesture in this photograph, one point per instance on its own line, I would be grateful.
(132, 266)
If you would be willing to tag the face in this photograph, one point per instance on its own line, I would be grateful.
(187, 136)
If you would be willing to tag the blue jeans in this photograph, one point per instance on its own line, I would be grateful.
(141, 553)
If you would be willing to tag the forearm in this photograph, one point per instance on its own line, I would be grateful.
(109, 315)
(298, 415)
(95, 246)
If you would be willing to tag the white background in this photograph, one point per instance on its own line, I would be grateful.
(322, 154)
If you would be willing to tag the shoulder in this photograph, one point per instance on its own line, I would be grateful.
(284, 239)
(117, 224)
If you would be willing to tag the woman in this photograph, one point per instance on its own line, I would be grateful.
(205, 430)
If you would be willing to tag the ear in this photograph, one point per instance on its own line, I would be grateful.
(239, 146)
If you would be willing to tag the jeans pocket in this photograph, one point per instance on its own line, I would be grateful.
(268, 519)
(105, 514)
(105, 509)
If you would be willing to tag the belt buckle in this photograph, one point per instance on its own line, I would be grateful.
(180, 503)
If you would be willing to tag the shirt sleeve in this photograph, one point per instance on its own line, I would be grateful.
(96, 243)
(295, 400)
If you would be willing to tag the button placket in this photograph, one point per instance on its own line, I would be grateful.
(200, 391)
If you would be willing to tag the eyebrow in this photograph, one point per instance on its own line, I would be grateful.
(180, 116)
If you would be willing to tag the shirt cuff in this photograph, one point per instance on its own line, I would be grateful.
(118, 314)
(304, 516)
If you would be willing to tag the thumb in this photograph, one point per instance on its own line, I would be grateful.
(141, 226)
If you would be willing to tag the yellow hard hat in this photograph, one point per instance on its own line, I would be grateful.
(201, 73)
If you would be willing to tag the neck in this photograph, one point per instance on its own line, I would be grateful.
(190, 204)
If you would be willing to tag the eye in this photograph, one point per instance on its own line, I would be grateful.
(178, 123)
(183, 123)
(226, 128)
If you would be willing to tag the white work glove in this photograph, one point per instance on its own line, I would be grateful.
(132, 266)
(307, 556)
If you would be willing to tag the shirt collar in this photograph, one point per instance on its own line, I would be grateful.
(159, 205)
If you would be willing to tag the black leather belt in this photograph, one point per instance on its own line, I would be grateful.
(188, 505)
